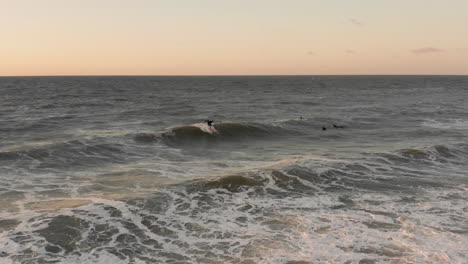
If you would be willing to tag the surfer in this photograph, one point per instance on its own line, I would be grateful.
(324, 128)
(336, 126)
(209, 122)
(211, 128)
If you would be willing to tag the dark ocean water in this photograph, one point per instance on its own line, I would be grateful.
(123, 170)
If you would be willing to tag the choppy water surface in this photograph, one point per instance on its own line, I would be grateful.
(122, 170)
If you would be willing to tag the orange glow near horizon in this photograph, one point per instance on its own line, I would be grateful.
(146, 37)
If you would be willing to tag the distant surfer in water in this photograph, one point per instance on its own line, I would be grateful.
(337, 126)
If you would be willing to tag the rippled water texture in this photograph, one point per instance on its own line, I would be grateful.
(296, 169)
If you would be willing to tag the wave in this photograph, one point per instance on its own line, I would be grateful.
(450, 124)
(62, 155)
(226, 131)
(115, 148)
(145, 138)
(400, 171)
(429, 155)
(263, 205)
(50, 123)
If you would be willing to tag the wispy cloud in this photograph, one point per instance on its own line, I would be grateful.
(350, 51)
(311, 53)
(427, 50)
(356, 22)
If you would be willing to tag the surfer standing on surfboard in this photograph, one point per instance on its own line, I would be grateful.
(209, 122)
(211, 129)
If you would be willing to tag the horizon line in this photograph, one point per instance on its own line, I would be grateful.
(219, 75)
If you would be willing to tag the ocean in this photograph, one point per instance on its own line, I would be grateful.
(296, 169)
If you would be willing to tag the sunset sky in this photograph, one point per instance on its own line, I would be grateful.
(238, 37)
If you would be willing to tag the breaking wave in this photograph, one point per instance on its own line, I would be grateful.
(266, 215)
(222, 132)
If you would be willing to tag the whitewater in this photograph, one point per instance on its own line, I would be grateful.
(296, 169)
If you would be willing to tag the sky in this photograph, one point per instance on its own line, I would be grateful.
(233, 37)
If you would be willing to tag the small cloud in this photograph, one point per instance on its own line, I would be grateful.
(350, 51)
(310, 53)
(356, 22)
(427, 50)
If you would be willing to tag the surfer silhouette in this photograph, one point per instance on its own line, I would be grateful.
(209, 122)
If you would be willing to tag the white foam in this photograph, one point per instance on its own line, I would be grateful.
(318, 228)
(446, 124)
(294, 228)
(205, 128)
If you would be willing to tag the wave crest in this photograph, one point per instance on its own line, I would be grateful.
(201, 133)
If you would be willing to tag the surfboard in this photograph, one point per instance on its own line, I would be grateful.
(206, 128)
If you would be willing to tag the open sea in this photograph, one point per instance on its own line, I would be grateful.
(296, 170)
